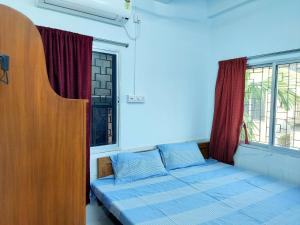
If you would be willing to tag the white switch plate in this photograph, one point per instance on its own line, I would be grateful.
(135, 99)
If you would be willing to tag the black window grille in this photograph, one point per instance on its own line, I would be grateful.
(104, 99)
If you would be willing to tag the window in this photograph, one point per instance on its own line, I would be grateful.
(272, 104)
(104, 99)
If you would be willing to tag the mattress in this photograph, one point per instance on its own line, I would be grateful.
(211, 194)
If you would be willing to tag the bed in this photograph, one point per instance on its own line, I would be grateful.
(212, 193)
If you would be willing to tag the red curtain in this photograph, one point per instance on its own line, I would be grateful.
(229, 109)
(68, 59)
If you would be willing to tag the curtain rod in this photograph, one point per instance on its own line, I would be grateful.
(274, 54)
(122, 44)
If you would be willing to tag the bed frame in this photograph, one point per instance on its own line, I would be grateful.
(105, 167)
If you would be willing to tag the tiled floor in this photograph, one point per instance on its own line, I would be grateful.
(96, 215)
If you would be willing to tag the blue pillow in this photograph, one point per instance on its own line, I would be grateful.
(130, 167)
(181, 155)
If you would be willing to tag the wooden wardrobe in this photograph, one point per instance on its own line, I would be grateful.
(42, 136)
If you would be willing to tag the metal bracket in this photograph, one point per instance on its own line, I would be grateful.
(4, 67)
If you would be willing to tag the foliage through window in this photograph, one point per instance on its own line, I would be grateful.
(272, 104)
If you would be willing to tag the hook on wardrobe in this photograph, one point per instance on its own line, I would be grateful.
(4, 67)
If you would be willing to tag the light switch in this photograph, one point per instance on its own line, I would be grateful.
(135, 99)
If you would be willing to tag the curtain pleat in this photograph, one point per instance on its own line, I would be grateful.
(229, 109)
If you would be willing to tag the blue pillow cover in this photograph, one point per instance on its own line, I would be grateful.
(181, 155)
(130, 166)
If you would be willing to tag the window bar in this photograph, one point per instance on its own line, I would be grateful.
(295, 105)
(261, 100)
(272, 124)
(287, 112)
(274, 54)
(269, 105)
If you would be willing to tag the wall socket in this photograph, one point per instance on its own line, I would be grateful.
(135, 99)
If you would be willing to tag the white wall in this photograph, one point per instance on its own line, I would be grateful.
(171, 73)
(177, 57)
(256, 27)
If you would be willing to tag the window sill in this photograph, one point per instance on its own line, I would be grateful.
(274, 149)
(104, 149)
(107, 149)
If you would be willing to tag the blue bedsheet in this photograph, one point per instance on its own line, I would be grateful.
(210, 194)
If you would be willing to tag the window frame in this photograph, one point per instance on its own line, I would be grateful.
(274, 63)
(111, 147)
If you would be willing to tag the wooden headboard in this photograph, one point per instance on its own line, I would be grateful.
(105, 167)
(42, 135)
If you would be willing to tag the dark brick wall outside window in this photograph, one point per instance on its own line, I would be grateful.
(103, 99)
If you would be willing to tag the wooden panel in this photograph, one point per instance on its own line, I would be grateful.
(105, 167)
(204, 148)
(42, 140)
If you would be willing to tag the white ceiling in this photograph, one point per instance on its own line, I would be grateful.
(164, 1)
(192, 10)
(213, 8)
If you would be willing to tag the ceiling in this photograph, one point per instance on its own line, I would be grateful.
(214, 8)
(164, 1)
(192, 10)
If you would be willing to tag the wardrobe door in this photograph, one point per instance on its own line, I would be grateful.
(42, 136)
